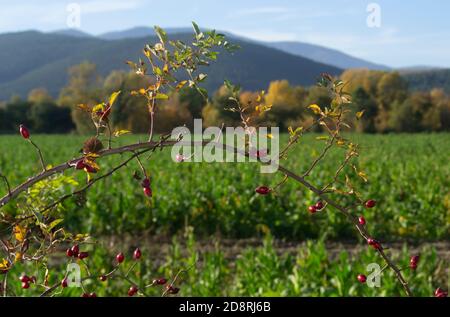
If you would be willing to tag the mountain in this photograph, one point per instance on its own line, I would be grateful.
(140, 32)
(325, 55)
(428, 79)
(34, 59)
(316, 53)
(72, 32)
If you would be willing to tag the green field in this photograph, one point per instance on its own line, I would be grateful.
(409, 176)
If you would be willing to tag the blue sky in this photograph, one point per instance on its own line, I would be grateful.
(414, 32)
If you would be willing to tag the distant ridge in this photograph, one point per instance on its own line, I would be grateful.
(47, 57)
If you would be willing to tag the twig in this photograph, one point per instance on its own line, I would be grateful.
(41, 158)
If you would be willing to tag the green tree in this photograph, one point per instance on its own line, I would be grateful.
(47, 117)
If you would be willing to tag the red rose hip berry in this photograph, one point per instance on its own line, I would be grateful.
(414, 262)
(319, 205)
(370, 203)
(69, 253)
(148, 191)
(83, 255)
(24, 279)
(362, 278)
(132, 290)
(262, 190)
(160, 281)
(137, 254)
(362, 221)
(145, 183)
(374, 244)
(312, 209)
(24, 132)
(172, 290)
(120, 257)
(75, 250)
(439, 292)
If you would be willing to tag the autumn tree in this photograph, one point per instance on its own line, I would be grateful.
(84, 86)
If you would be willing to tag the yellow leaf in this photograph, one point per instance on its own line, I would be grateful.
(181, 84)
(92, 155)
(166, 68)
(98, 108)
(84, 107)
(4, 265)
(19, 233)
(18, 257)
(363, 176)
(92, 164)
(113, 97)
(142, 91)
(315, 108)
(121, 132)
(359, 114)
(270, 136)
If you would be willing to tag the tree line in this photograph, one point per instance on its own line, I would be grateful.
(383, 98)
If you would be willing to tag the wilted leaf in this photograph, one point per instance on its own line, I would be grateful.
(363, 176)
(181, 84)
(360, 114)
(84, 107)
(19, 233)
(201, 77)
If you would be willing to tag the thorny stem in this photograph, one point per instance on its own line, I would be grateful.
(109, 135)
(361, 229)
(41, 158)
(6, 183)
(176, 278)
(5, 284)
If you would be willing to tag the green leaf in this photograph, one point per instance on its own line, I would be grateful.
(162, 35)
(54, 223)
(196, 28)
(161, 96)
